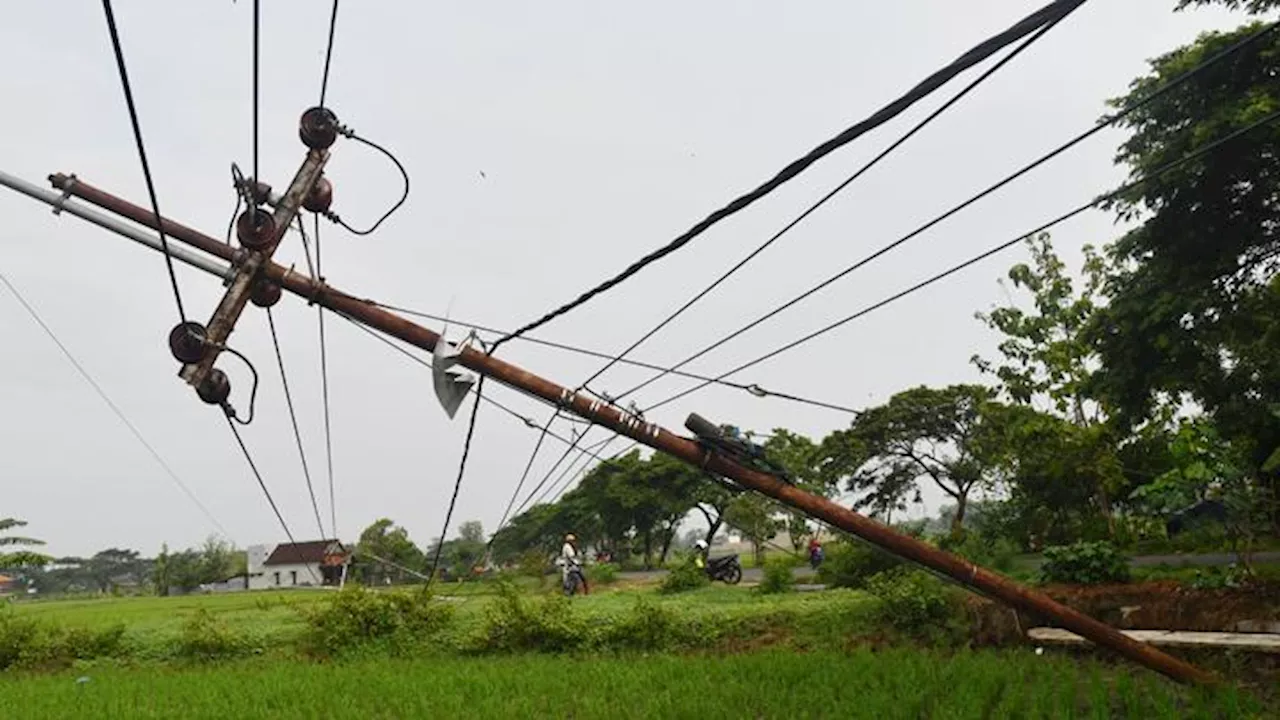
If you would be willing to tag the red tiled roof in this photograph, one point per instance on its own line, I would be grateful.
(313, 551)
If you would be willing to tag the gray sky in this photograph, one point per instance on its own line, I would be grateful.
(602, 130)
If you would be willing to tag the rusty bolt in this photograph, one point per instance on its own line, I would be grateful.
(265, 293)
(186, 342)
(216, 388)
(256, 229)
(320, 197)
(318, 128)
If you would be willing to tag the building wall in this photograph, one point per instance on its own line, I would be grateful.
(267, 579)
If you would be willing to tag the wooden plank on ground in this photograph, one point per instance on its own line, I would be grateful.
(1254, 642)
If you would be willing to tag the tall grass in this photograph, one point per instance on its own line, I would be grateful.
(884, 685)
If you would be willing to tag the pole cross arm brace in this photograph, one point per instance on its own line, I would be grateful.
(224, 318)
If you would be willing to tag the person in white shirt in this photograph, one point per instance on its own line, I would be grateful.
(570, 561)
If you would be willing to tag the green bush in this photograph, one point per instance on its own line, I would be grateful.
(205, 637)
(604, 574)
(25, 642)
(1216, 578)
(848, 563)
(683, 578)
(533, 563)
(913, 601)
(514, 623)
(778, 576)
(995, 553)
(1084, 563)
(648, 627)
(356, 617)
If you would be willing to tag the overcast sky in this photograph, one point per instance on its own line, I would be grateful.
(550, 144)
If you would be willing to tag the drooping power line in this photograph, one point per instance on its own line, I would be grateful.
(115, 409)
(1052, 12)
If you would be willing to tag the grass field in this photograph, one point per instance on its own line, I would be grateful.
(858, 684)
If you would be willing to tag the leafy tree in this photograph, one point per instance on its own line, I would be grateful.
(753, 515)
(801, 458)
(1048, 357)
(19, 558)
(463, 553)
(114, 566)
(1194, 300)
(946, 436)
(381, 548)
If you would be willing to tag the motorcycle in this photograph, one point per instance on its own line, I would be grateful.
(726, 569)
(573, 578)
(815, 557)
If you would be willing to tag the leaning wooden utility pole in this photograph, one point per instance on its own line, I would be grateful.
(700, 454)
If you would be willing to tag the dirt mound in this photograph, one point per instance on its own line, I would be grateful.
(1141, 606)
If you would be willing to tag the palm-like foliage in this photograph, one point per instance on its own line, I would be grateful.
(18, 558)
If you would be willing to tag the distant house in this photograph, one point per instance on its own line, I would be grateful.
(312, 563)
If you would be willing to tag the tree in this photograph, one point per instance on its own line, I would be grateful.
(19, 558)
(1048, 357)
(948, 436)
(801, 458)
(1194, 300)
(463, 553)
(115, 566)
(384, 551)
(752, 514)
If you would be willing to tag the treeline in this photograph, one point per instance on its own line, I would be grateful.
(118, 570)
(1125, 401)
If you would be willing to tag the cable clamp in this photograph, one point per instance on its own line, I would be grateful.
(66, 194)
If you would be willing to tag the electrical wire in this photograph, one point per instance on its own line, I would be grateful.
(830, 195)
(262, 484)
(526, 420)
(457, 485)
(293, 417)
(257, 25)
(559, 481)
(752, 388)
(1024, 170)
(328, 53)
(404, 174)
(115, 409)
(524, 476)
(1050, 13)
(324, 380)
(1146, 177)
(142, 152)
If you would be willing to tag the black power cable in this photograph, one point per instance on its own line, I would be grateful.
(324, 383)
(142, 152)
(457, 485)
(1167, 167)
(1093, 130)
(1050, 13)
(829, 195)
(404, 174)
(262, 484)
(293, 417)
(328, 53)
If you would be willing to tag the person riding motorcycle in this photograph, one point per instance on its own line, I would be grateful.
(700, 554)
(570, 562)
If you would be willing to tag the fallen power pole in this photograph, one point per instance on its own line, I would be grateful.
(702, 455)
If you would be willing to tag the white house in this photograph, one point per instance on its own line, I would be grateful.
(304, 564)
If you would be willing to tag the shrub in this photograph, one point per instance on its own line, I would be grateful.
(1084, 563)
(514, 623)
(913, 601)
(992, 552)
(683, 578)
(1216, 578)
(205, 637)
(604, 574)
(778, 576)
(850, 564)
(533, 563)
(648, 627)
(25, 642)
(356, 617)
